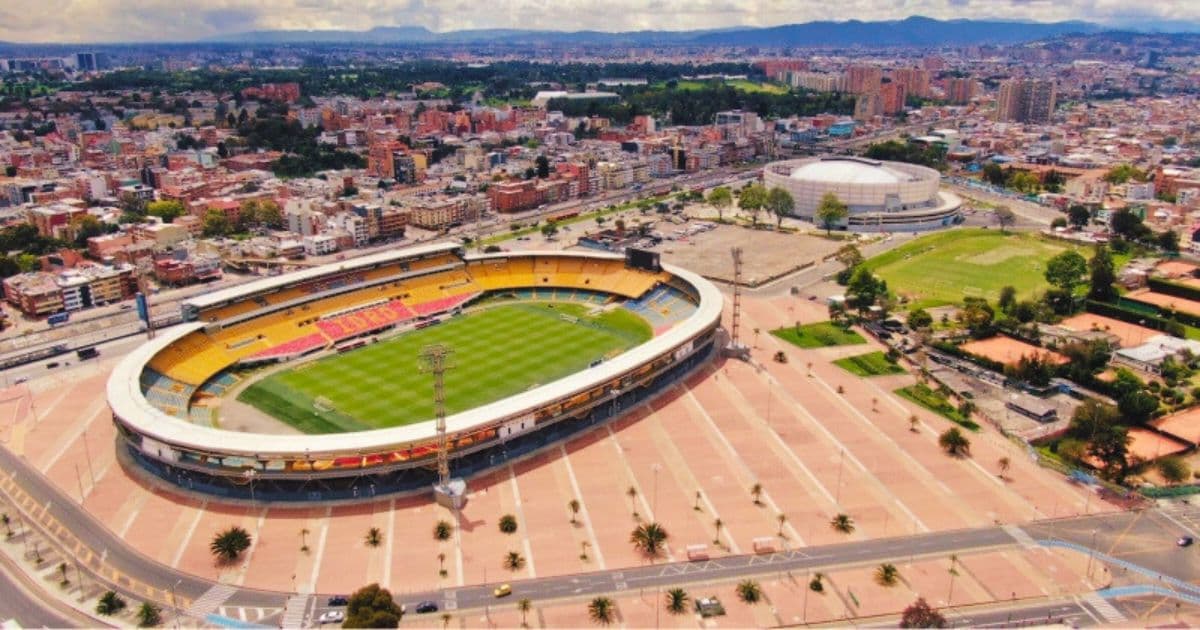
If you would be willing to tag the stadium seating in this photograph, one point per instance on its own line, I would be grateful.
(358, 322)
(295, 347)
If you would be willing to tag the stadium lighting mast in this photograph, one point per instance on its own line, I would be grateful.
(736, 348)
(435, 361)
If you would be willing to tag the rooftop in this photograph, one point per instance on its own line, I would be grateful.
(849, 171)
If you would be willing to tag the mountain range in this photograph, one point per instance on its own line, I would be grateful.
(912, 31)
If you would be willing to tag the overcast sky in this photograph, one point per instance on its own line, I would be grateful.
(182, 20)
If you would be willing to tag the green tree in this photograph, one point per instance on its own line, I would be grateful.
(920, 319)
(1092, 417)
(1007, 300)
(1123, 173)
(720, 198)
(1024, 182)
(864, 290)
(374, 537)
(843, 523)
(514, 561)
(1005, 217)
(168, 210)
(1111, 447)
(1137, 407)
(954, 442)
(851, 258)
(1079, 216)
(601, 611)
(148, 615)
(1066, 270)
(372, 607)
(649, 538)
(830, 211)
(1173, 469)
(677, 601)
(229, 543)
(27, 262)
(752, 200)
(756, 491)
(749, 591)
(993, 174)
(1102, 277)
(887, 574)
(1168, 240)
(216, 223)
(543, 166)
(442, 530)
(574, 506)
(508, 524)
(85, 226)
(920, 614)
(781, 204)
(524, 606)
(549, 229)
(110, 604)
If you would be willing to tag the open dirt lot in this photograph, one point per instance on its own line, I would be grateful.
(766, 254)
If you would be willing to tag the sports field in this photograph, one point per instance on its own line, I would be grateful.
(945, 267)
(497, 352)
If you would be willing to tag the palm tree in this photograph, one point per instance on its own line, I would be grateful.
(954, 442)
(600, 611)
(696, 507)
(446, 617)
(7, 524)
(148, 615)
(677, 600)
(62, 571)
(649, 538)
(508, 523)
(815, 584)
(374, 537)
(749, 591)
(717, 523)
(583, 547)
(442, 564)
(304, 540)
(632, 494)
(574, 506)
(913, 421)
(442, 530)
(110, 604)
(1004, 463)
(514, 561)
(887, 574)
(782, 518)
(756, 492)
(229, 544)
(843, 523)
(524, 605)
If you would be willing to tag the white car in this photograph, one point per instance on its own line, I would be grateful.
(332, 616)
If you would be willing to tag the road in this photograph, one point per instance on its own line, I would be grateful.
(21, 605)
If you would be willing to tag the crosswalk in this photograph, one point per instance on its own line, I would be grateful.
(210, 600)
(1106, 610)
(293, 612)
(1019, 535)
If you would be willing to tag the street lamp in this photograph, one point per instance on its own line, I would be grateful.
(175, 602)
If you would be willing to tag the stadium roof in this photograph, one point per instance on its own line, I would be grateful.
(266, 284)
(849, 171)
(128, 403)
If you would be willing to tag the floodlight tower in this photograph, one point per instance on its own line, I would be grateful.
(435, 360)
(735, 347)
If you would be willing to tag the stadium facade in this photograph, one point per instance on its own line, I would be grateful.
(881, 196)
(165, 395)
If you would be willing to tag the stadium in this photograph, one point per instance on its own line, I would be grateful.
(880, 196)
(310, 386)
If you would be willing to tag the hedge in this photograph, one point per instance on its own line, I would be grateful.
(1156, 492)
(1127, 314)
(1187, 292)
(955, 351)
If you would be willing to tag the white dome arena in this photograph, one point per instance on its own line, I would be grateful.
(881, 196)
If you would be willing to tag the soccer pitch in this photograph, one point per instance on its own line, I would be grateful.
(945, 267)
(497, 352)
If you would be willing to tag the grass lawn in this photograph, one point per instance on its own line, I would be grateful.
(818, 335)
(937, 403)
(740, 84)
(869, 364)
(945, 267)
(497, 352)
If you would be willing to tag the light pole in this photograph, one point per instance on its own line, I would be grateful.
(837, 498)
(654, 501)
(175, 602)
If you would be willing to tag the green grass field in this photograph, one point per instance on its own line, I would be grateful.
(945, 267)
(497, 352)
(937, 403)
(869, 364)
(740, 84)
(818, 335)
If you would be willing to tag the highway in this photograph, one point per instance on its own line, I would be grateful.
(20, 604)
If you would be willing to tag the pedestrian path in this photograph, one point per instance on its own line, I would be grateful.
(293, 612)
(1106, 610)
(207, 603)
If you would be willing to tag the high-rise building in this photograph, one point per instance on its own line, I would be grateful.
(914, 80)
(892, 96)
(960, 90)
(863, 79)
(1026, 100)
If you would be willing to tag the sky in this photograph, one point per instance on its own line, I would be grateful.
(185, 20)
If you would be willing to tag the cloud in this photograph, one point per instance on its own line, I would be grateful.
(176, 20)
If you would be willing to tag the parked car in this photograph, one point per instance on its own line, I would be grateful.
(332, 616)
(504, 590)
(426, 607)
(338, 600)
(1185, 541)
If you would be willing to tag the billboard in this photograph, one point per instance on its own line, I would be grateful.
(58, 318)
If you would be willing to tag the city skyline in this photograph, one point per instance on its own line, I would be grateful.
(110, 21)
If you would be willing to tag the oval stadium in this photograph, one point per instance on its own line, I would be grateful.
(319, 384)
(880, 196)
